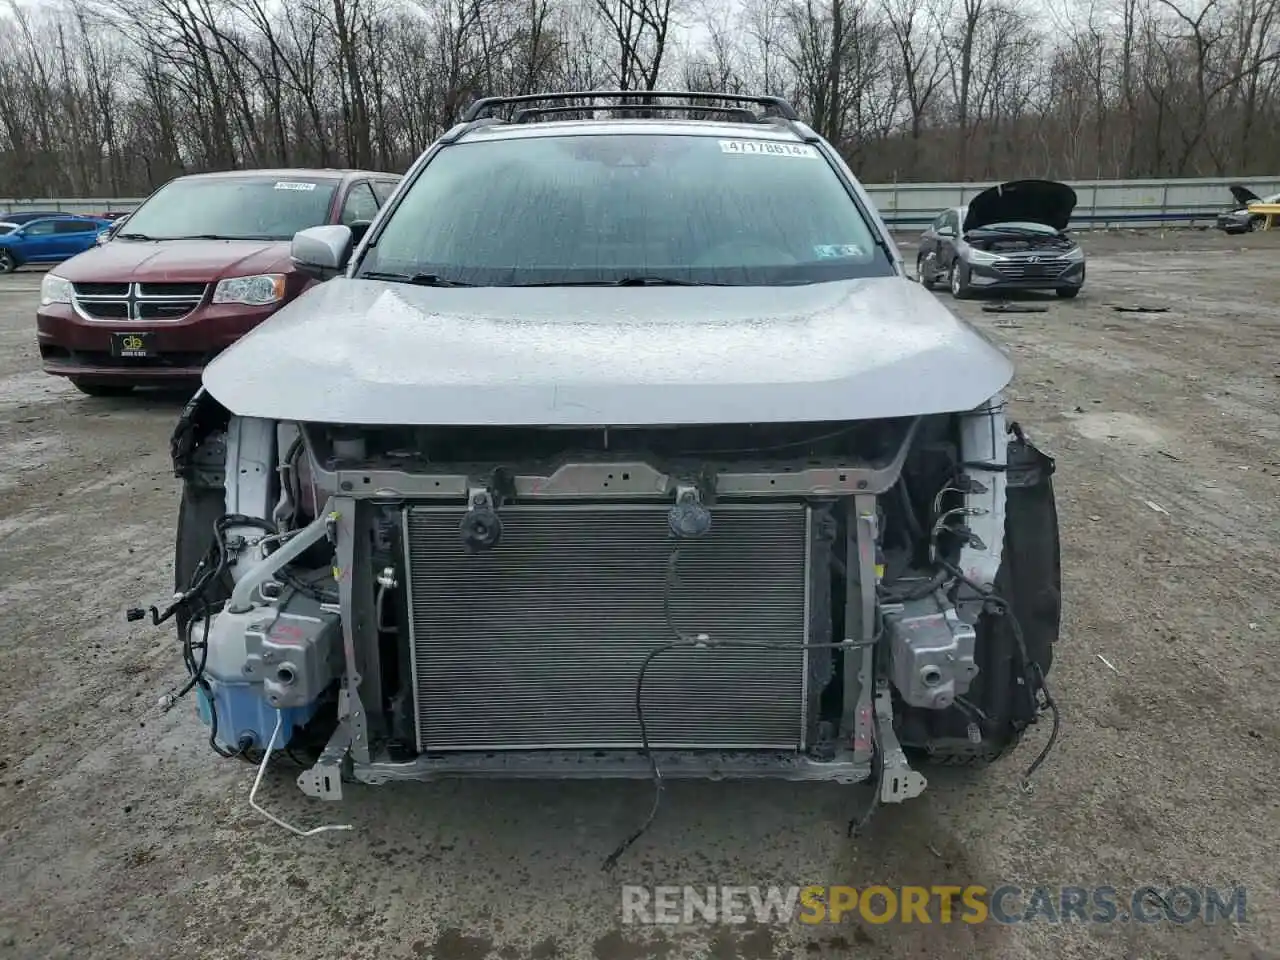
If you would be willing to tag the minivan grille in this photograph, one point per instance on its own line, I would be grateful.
(137, 301)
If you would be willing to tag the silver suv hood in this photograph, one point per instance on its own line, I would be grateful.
(369, 352)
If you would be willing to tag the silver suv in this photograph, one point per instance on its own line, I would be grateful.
(620, 446)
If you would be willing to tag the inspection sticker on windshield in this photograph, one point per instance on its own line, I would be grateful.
(768, 148)
(294, 185)
(828, 250)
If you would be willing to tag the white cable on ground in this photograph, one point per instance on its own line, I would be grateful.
(262, 768)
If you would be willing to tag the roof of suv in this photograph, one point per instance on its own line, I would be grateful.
(328, 173)
(614, 126)
(663, 112)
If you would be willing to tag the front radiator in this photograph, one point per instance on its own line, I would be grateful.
(538, 643)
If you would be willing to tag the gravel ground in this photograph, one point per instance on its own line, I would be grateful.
(121, 835)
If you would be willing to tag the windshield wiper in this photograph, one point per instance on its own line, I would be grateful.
(638, 281)
(419, 279)
(193, 236)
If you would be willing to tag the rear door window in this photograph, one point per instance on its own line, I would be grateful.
(361, 204)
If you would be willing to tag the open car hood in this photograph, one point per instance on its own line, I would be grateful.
(373, 352)
(1243, 195)
(1032, 201)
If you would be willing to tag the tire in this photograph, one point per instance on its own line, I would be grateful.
(94, 388)
(200, 507)
(1067, 293)
(1030, 579)
(8, 262)
(926, 279)
(958, 282)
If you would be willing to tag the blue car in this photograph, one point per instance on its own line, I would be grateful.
(48, 240)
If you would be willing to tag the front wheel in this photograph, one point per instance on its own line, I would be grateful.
(958, 280)
(8, 262)
(923, 274)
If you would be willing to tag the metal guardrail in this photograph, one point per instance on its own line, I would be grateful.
(906, 206)
(1100, 203)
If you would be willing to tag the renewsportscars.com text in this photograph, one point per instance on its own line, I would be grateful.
(938, 903)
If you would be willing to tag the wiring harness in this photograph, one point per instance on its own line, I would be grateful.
(703, 641)
(200, 601)
(689, 519)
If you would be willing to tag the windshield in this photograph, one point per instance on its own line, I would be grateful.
(239, 208)
(588, 209)
(6, 227)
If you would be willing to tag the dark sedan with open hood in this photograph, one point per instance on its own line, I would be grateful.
(1239, 218)
(1009, 237)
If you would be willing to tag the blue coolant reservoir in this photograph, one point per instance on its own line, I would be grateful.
(244, 713)
(235, 682)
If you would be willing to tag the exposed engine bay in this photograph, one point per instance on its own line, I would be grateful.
(995, 240)
(827, 601)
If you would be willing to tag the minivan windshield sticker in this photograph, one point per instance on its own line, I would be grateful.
(827, 250)
(768, 148)
(294, 185)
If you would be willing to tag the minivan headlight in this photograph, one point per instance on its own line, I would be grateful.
(256, 291)
(55, 289)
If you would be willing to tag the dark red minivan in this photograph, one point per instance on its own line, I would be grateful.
(201, 262)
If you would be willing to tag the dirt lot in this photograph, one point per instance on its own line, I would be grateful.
(122, 835)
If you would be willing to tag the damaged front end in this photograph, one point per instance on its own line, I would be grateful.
(825, 601)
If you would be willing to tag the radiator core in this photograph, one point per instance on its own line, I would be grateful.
(538, 643)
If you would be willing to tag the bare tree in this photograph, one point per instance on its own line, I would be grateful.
(113, 97)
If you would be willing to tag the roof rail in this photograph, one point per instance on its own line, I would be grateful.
(629, 98)
(740, 114)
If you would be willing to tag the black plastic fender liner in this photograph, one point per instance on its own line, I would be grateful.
(1030, 580)
(201, 416)
(1033, 547)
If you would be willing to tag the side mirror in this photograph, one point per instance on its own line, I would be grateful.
(946, 232)
(358, 229)
(322, 252)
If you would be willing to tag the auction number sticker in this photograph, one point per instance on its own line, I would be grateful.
(827, 251)
(768, 148)
(294, 185)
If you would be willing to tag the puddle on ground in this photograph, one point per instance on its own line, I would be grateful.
(1118, 426)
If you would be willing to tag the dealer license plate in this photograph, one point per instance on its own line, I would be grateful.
(132, 345)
